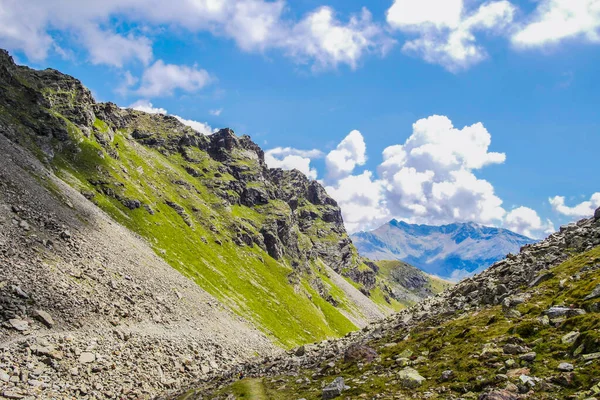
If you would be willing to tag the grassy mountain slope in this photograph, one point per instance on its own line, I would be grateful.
(529, 327)
(255, 238)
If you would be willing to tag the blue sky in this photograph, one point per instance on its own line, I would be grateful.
(300, 76)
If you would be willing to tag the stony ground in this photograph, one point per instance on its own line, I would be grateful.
(527, 328)
(87, 310)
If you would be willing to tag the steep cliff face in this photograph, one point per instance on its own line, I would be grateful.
(263, 241)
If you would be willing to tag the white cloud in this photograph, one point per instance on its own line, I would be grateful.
(320, 37)
(361, 199)
(162, 79)
(558, 20)
(412, 15)
(351, 152)
(215, 112)
(148, 107)
(583, 209)
(526, 221)
(430, 179)
(109, 48)
(290, 158)
(447, 30)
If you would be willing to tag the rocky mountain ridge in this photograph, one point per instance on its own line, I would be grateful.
(139, 255)
(451, 251)
(527, 327)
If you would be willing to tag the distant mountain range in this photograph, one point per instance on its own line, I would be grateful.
(449, 251)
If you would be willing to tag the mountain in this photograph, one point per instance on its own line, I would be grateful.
(528, 327)
(450, 251)
(139, 255)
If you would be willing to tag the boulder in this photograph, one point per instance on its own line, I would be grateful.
(565, 367)
(19, 324)
(558, 311)
(334, 389)
(529, 357)
(594, 294)
(570, 337)
(514, 349)
(597, 214)
(541, 278)
(359, 353)
(44, 318)
(87, 357)
(410, 378)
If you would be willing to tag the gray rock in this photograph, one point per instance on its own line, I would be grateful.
(300, 351)
(591, 356)
(528, 356)
(541, 278)
(410, 378)
(570, 337)
(19, 324)
(595, 293)
(597, 214)
(12, 394)
(334, 389)
(87, 357)
(558, 311)
(44, 318)
(4, 377)
(447, 375)
(565, 367)
(514, 349)
(19, 292)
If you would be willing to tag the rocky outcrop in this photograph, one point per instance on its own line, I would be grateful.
(296, 209)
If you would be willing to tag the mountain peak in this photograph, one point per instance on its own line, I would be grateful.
(450, 250)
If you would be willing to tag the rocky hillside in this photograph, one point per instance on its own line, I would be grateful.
(406, 284)
(265, 242)
(87, 309)
(139, 255)
(527, 327)
(449, 251)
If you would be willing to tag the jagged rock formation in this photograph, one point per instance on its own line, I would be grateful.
(449, 251)
(528, 327)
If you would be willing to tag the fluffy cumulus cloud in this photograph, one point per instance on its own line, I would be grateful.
(37, 27)
(351, 152)
(362, 200)
(557, 20)
(446, 29)
(116, 50)
(431, 175)
(162, 79)
(430, 178)
(320, 36)
(526, 221)
(148, 107)
(290, 158)
(581, 210)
